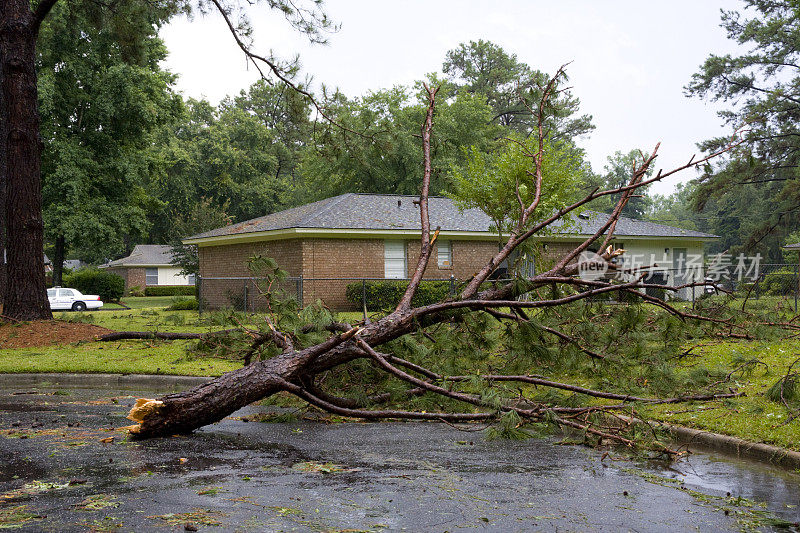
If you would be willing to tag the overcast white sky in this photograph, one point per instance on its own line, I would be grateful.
(630, 59)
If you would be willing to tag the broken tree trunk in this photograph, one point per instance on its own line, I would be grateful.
(186, 411)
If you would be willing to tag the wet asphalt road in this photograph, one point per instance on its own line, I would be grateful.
(313, 476)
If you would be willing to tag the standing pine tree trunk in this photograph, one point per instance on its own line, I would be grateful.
(58, 260)
(25, 295)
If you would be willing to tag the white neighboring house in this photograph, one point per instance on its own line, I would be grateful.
(675, 255)
(149, 265)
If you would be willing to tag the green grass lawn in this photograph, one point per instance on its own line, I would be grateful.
(147, 319)
(144, 302)
(140, 357)
(126, 357)
(752, 417)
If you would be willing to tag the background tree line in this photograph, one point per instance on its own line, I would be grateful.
(127, 160)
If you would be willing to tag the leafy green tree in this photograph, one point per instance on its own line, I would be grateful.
(101, 93)
(22, 282)
(378, 150)
(617, 174)
(755, 189)
(675, 209)
(488, 181)
(286, 114)
(510, 87)
(239, 158)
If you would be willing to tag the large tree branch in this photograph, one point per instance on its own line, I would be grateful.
(295, 370)
(368, 414)
(257, 60)
(41, 11)
(426, 243)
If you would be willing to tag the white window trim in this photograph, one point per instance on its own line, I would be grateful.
(444, 252)
(146, 276)
(391, 258)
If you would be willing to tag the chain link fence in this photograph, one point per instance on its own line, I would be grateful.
(772, 281)
(340, 294)
(775, 281)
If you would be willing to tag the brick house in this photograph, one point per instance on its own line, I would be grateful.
(148, 265)
(335, 241)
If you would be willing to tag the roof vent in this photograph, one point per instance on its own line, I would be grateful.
(399, 203)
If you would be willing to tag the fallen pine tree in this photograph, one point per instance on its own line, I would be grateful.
(301, 358)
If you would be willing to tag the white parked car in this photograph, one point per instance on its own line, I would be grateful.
(62, 299)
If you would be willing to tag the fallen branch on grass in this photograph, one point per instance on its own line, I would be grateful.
(167, 336)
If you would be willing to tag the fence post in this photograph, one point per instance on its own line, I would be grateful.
(797, 276)
(364, 300)
(199, 284)
(244, 305)
(452, 286)
(300, 291)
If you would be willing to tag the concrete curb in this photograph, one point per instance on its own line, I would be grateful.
(757, 451)
(102, 380)
(725, 444)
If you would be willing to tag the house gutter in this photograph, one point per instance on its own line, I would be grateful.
(138, 265)
(296, 233)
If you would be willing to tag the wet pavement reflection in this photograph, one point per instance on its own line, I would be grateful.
(64, 468)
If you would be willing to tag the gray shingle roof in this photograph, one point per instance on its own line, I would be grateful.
(396, 212)
(591, 221)
(145, 254)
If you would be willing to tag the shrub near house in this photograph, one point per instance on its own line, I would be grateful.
(171, 290)
(385, 295)
(780, 282)
(110, 287)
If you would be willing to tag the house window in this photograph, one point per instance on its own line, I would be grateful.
(444, 254)
(395, 261)
(527, 266)
(151, 276)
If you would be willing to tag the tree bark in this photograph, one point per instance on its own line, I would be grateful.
(186, 411)
(25, 295)
(58, 261)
